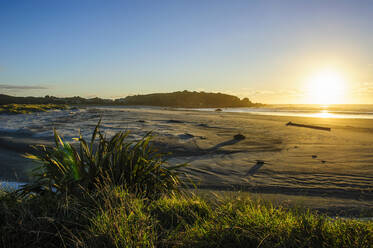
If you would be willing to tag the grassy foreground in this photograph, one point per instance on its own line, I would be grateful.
(118, 193)
(115, 218)
(29, 108)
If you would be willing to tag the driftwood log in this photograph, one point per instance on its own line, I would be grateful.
(308, 126)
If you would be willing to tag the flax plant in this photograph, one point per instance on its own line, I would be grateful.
(135, 165)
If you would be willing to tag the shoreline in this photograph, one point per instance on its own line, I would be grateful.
(217, 161)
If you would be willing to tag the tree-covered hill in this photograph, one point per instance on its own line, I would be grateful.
(187, 99)
(182, 99)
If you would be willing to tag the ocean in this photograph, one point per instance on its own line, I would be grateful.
(347, 111)
(69, 122)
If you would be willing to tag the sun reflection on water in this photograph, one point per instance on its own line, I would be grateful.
(324, 114)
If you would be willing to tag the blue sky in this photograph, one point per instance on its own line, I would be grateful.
(264, 50)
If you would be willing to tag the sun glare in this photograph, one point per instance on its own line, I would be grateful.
(326, 87)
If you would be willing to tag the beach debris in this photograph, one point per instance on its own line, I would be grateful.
(239, 137)
(141, 121)
(174, 121)
(218, 110)
(260, 162)
(308, 126)
(255, 168)
(323, 161)
(186, 136)
(314, 156)
(203, 125)
(190, 136)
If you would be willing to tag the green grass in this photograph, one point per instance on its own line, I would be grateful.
(113, 217)
(118, 193)
(29, 108)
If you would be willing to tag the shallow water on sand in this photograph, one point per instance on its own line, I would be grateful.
(4, 185)
(69, 122)
(272, 158)
(358, 111)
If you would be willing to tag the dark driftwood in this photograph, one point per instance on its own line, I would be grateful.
(308, 126)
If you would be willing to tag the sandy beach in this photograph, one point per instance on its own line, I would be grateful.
(272, 159)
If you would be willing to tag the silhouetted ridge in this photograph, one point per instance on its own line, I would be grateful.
(6, 99)
(183, 99)
(187, 99)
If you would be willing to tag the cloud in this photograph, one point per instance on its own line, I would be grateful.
(21, 87)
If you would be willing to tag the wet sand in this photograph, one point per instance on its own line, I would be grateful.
(273, 158)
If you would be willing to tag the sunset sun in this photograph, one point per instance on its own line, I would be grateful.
(326, 87)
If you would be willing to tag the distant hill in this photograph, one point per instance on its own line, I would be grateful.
(182, 99)
(76, 100)
(187, 99)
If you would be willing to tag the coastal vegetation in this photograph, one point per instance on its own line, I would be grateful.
(135, 165)
(29, 108)
(76, 100)
(120, 193)
(112, 217)
(182, 99)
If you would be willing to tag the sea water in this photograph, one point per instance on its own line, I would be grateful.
(349, 111)
(70, 122)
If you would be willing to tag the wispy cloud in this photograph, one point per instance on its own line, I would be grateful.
(21, 87)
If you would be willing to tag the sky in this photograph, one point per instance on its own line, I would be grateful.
(269, 51)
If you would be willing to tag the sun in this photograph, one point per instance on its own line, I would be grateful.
(326, 87)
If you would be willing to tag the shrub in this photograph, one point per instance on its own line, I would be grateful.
(30, 108)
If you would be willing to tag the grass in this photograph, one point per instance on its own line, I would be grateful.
(116, 193)
(113, 217)
(29, 108)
